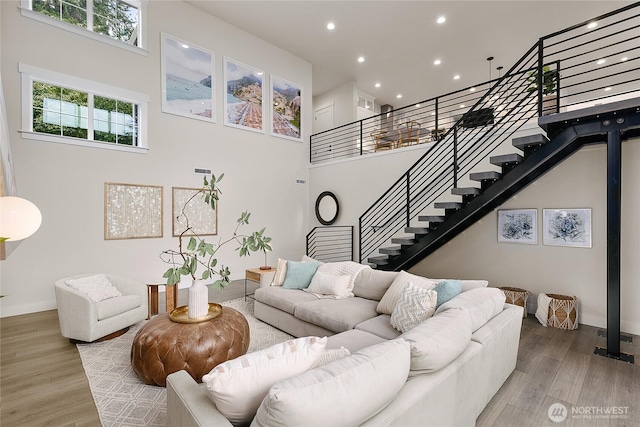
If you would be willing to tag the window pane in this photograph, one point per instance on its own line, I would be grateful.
(114, 121)
(72, 11)
(116, 19)
(59, 111)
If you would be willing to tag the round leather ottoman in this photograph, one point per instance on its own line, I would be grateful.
(162, 346)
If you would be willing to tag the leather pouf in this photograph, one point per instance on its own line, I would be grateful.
(162, 347)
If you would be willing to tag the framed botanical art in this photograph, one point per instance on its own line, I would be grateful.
(132, 211)
(202, 219)
(567, 227)
(286, 107)
(518, 226)
(244, 95)
(188, 80)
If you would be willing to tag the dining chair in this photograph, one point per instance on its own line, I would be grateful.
(379, 140)
(408, 133)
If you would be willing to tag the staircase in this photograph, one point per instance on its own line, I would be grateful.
(400, 225)
(537, 155)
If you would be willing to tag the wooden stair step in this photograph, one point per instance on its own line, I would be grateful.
(506, 159)
(391, 250)
(524, 142)
(416, 230)
(404, 241)
(378, 260)
(431, 218)
(448, 205)
(483, 176)
(465, 191)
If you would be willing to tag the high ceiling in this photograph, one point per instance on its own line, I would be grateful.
(400, 40)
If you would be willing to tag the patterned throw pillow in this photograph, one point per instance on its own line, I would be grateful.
(96, 287)
(390, 298)
(413, 307)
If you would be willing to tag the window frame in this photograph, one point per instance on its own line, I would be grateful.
(27, 11)
(29, 74)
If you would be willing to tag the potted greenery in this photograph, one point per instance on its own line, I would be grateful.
(549, 85)
(194, 252)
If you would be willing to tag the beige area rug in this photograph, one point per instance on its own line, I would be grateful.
(122, 398)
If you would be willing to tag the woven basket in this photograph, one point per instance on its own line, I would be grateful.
(563, 312)
(516, 296)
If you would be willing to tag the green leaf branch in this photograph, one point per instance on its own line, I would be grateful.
(194, 252)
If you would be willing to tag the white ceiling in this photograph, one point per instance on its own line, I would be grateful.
(401, 39)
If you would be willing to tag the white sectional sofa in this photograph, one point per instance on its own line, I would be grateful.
(457, 360)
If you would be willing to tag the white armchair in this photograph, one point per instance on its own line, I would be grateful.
(83, 319)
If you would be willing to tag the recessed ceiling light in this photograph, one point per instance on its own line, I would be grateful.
(601, 61)
(331, 26)
(417, 105)
(624, 59)
(456, 77)
(473, 89)
(433, 113)
(186, 46)
(259, 73)
(437, 62)
(399, 96)
(592, 25)
(607, 89)
(361, 59)
(441, 20)
(461, 105)
(377, 85)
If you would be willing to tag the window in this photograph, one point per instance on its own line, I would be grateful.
(61, 108)
(118, 20)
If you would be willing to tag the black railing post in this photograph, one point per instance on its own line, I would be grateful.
(408, 200)
(361, 137)
(436, 131)
(455, 157)
(557, 86)
(360, 239)
(539, 77)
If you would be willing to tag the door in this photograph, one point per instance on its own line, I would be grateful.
(323, 118)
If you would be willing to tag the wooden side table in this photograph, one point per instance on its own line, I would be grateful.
(171, 300)
(259, 276)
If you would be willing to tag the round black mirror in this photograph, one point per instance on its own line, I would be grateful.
(327, 208)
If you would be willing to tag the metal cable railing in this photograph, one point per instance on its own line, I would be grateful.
(331, 243)
(566, 69)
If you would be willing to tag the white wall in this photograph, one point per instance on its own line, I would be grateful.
(66, 182)
(344, 100)
(578, 182)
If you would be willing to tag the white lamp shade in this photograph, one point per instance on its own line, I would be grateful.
(19, 218)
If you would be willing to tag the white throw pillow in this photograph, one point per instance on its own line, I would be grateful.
(96, 287)
(329, 284)
(483, 304)
(390, 298)
(331, 355)
(343, 393)
(281, 273)
(238, 386)
(438, 341)
(414, 306)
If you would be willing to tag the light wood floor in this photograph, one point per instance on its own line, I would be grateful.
(42, 382)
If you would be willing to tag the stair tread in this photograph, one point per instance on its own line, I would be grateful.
(530, 140)
(479, 176)
(391, 250)
(431, 218)
(506, 158)
(378, 260)
(465, 191)
(416, 230)
(403, 240)
(448, 205)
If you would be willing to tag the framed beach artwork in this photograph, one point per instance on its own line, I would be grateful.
(286, 107)
(244, 95)
(567, 227)
(518, 226)
(188, 80)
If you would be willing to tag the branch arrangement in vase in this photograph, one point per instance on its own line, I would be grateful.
(194, 252)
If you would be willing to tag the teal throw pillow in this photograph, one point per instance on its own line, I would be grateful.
(446, 290)
(299, 274)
